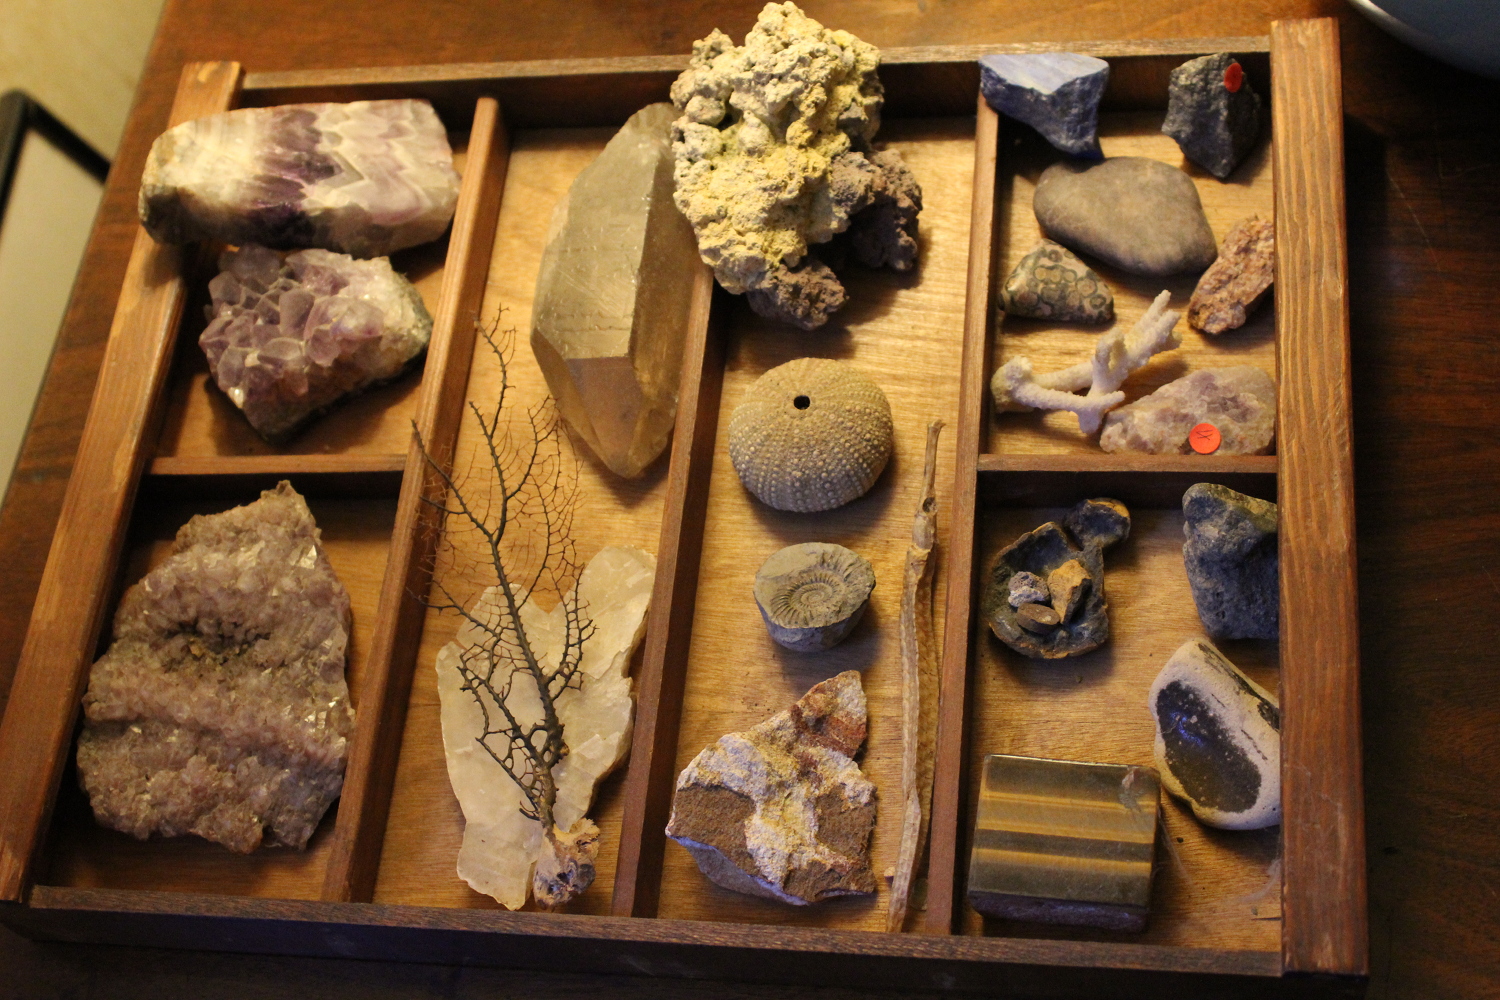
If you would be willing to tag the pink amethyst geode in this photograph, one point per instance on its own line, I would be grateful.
(221, 708)
(288, 338)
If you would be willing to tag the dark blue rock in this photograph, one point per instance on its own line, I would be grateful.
(1213, 113)
(1232, 562)
(1056, 93)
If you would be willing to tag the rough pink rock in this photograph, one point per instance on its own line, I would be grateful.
(1236, 283)
(288, 338)
(221, 708)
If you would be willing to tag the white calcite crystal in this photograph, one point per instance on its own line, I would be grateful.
(1239, 401)
(221, 708)
(366, 178)
(782, 810)
(614, 294)
(502, 846)
(288, 338)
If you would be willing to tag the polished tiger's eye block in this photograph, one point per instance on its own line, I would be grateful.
(1064, 842)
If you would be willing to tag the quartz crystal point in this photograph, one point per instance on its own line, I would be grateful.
(289, 338)
(501, 845)
(366, 178)
(613, 297)
(220, 708)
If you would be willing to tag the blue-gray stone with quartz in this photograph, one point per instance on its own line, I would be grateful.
(1212, 112)
(1056, 93)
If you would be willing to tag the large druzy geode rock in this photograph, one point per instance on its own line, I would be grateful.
(288, 338)
(614, 294)
(366, 178)
(221, 707)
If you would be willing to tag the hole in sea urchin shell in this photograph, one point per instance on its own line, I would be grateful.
(812, 595)
(802, 402)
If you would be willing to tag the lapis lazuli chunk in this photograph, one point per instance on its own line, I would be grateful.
(1056, 93)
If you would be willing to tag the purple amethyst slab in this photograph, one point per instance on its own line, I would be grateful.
(288, 338)
(221, 707)
(366, 178)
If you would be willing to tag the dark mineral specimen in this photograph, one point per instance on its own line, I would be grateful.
(1212, 112)
(1232, 562)
(220, 708)
(1218, 739)
(1056, 93)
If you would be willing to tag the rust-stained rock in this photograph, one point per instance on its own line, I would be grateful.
(1238, 281)
(781, 810)
(1082, 536)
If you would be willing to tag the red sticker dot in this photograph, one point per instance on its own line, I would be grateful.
(1233, 77)
(1204, 439)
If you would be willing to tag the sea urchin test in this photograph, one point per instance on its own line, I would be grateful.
(367, 178)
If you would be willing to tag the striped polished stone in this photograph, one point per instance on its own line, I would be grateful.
(1064, 842)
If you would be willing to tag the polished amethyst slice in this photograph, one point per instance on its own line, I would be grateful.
(221, 707)
(288, 338)
(366, 178)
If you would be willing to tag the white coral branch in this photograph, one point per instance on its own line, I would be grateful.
(1016, 387)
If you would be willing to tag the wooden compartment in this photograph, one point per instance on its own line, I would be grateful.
(379, 880)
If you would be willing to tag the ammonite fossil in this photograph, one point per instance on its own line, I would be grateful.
(812, 434)
(812, 595)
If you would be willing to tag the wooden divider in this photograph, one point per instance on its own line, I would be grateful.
(354, 859)
(669, 629)
(952, 743)
(116, 444)
(1323, 888)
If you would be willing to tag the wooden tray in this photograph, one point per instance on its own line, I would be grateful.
(1233, 914)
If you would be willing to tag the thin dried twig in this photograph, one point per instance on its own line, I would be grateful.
(918, 688)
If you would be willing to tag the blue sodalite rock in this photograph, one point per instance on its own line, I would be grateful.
(1212, 112)
(1232, 561)
(1056, 93)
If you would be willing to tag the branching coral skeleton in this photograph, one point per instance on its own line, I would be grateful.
(1016, 387)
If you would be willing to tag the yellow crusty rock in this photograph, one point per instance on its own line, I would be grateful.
(812, 434)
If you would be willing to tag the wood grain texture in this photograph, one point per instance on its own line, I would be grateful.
(1053, 346)
(71, 598)
(375, 746)
(958, 555)
(1322, 792)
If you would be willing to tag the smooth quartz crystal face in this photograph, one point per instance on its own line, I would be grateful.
(287, 339)
(501, 845)
(221, 708)
(366, 178)
(614, 294)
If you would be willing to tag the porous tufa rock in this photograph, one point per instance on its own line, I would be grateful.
(287, 339)
(812, 434)
(1236, 283)
(1240, 402)
(1081, 537)
(1056, 93)
(1015, 386)
(1218, 739)
(774, 153)
(614, 297)
(812, 595)
(1051, 282)
(782, 810)
(505, 854)
(1212, 112)
(366, 178)
(1232, 561)
(221, 708)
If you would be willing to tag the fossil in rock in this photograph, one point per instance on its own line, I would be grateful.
(812, 595)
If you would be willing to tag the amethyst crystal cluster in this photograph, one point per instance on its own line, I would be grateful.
(366, 178)
(221, 708)
(287, 338)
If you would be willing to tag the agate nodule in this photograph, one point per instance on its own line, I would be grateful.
(286, 339)
(221, 708)
(366, 178)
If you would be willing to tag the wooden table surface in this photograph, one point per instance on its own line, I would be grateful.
(1423, 193)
